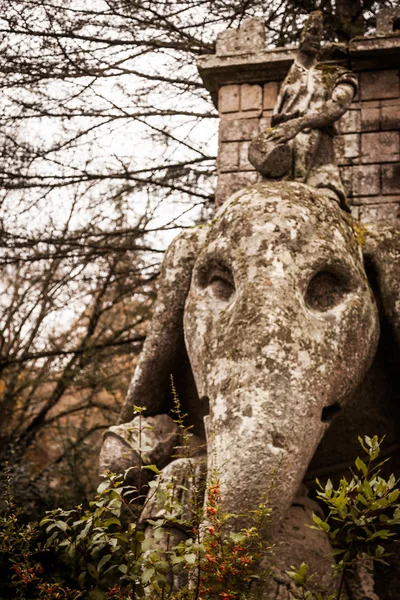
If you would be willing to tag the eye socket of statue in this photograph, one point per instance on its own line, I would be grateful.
(218, 279)
(327, 288)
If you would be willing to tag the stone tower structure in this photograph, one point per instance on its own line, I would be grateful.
(243, 78)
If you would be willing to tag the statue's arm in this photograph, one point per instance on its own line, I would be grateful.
(330, 112)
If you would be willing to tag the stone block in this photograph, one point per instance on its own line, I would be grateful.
(380, 199)
(366, 180)
(355, 212)
(250, 97)
(248, 39)
(379, 147)
(390, 102)
(379, 84)
(244, 164)
(370, 119)
(386, 21)
(347, 148)
(350, 122)
(351, 145)
(379, 213)
(238, 130)
(270, 95)
(346, 175)
(390, 117)
(229, 183)
(229, 98)
(391, 179)
(228, 157)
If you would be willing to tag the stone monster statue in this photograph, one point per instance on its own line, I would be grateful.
(280, 322)
(267, 316)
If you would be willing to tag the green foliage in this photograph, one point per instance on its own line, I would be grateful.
(110, 559)
(107, 552)
(231, 563)
(363, 513)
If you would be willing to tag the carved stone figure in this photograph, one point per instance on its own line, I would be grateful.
(268, 321)
(299, 146)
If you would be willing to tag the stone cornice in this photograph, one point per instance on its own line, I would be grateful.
(365, 54)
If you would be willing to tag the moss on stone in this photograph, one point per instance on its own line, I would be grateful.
(360, 232)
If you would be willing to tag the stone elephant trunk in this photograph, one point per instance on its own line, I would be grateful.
(277, 296)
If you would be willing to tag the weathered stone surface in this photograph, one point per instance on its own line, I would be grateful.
(350, 122)
(272, 65)
(228, 157)
(258, 323)
(382, 146)
(382, 249)
(376, 85)
(248, 39)
(229, 98)
(237, 130)
(391, 179)
(360, 580)
(244, 164)
(365, 180)
(391, 117)
(142, 441)
(388, 21)
(382, 212)
(370, 118)
(274, 161)
(187, 478)
(229, 183)
(270, 95)
(163, 352)
(250, 97)
(297, 539)
(348, 147)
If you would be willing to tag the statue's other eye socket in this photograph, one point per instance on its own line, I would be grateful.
(327, 288)
(218, 278)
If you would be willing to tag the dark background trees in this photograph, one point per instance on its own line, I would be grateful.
(108, 148)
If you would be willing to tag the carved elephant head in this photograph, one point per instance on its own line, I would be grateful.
(268, 322)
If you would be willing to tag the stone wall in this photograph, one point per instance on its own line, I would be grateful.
(244, 81)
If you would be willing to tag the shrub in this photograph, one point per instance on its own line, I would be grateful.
(107, 552)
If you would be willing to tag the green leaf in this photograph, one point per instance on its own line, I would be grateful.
(159, 533)
(123, 569)
(81, 579)
(161, 579)
(103, 486)
(190, 558)
(103, 561)
(152, 468)
(148, 575)
(93, 571)
(61, 525)
(147, 544)
(321, 524)
(361, 466)
(112, 521)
